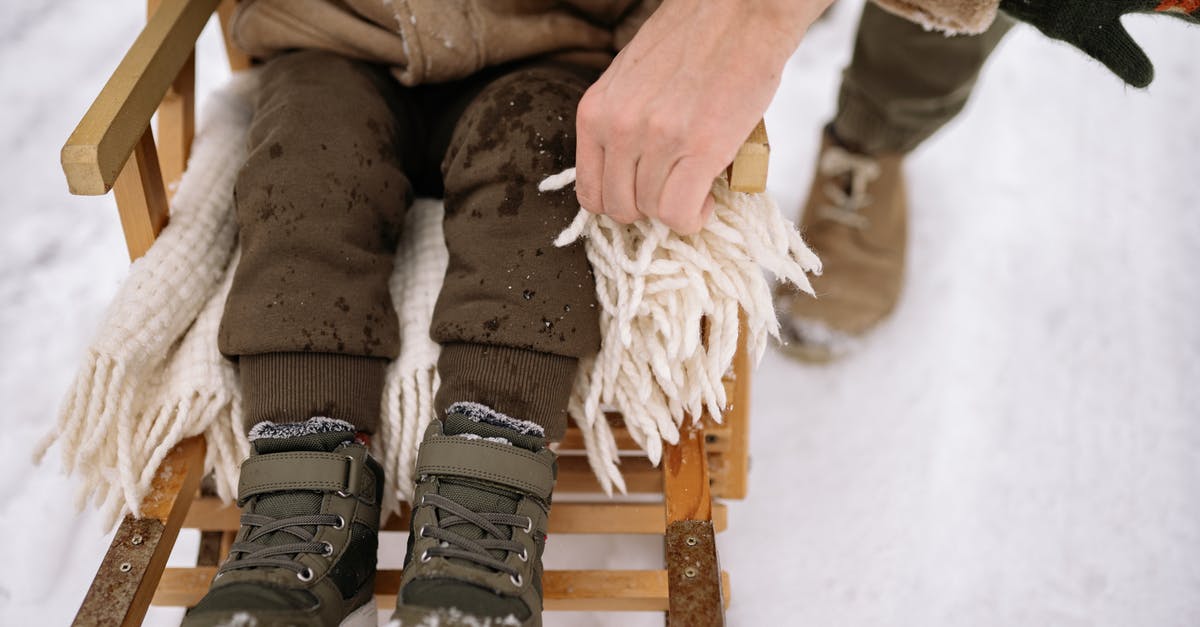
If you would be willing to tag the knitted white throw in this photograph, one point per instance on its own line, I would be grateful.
(153, 376)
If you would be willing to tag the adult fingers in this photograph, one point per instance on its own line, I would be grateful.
(620, 167)
(663, 137)
(686, 204)
(589, 155)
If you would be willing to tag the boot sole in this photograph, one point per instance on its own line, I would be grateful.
(365, 616)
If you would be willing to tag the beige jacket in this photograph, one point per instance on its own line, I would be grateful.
(432, 41)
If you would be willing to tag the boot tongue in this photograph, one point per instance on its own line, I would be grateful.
(315, 434)
(471, 420)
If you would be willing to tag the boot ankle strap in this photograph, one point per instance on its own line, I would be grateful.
(311, 471)
(508, 465)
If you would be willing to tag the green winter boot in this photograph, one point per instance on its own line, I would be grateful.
(479, 522)
(305, 553)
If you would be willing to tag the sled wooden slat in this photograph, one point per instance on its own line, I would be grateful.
(210, 515)
(734, 463)
(176, 118)
(564, 590)
(126, 580)
(748, 172)
(177, 126)
(95, 153)
(718, 437)
(141, 198)
(574, 475)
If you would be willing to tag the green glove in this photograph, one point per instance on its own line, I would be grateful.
(1094, 26)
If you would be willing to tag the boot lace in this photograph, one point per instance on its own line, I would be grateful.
(848, 200)
(253, 553)
(476, 550)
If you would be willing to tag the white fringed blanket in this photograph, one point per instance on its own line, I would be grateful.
(153, 376)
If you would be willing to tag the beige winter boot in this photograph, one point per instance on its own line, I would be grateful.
(856, 222)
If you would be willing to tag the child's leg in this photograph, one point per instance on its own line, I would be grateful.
(320, 203)
(514, 317)
(516, 313)
(311, 321)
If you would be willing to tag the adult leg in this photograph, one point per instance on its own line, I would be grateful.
(904, 82)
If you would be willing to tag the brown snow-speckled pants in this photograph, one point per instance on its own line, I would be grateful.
(337, 151)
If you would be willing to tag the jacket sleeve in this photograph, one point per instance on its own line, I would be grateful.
(954, 17)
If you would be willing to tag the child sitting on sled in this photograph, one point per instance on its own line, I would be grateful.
(356, 116)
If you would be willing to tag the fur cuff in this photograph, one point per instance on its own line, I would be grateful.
(482, 413)
(317, 424)
(954, 17)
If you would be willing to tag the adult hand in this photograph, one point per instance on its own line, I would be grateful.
(672, 110)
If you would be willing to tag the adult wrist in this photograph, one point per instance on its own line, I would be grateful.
(782, 23)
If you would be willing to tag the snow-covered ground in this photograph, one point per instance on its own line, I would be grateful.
(1019, 445)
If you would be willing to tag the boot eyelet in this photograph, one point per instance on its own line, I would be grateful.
(524, 556)
(341, 523)
(305, 575)
(421, 532)
(516, 580)
(425, 557)
(328, 549)
(528, 524)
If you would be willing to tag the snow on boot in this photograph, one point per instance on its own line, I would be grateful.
(305, 553)
(479, 522)
(856, 221)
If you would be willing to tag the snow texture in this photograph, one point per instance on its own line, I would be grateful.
(1018, 445)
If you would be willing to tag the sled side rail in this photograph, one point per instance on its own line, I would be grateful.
(128, 576)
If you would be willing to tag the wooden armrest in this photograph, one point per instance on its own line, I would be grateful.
(95, 153)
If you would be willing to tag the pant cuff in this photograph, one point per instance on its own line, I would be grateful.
(524, 384)
(862, 128)
(293, 387)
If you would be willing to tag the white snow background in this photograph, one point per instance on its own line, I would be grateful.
(1019, 445)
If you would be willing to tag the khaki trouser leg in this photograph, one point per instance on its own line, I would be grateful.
(904, 83)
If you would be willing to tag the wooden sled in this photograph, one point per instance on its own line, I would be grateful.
(114, 148)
